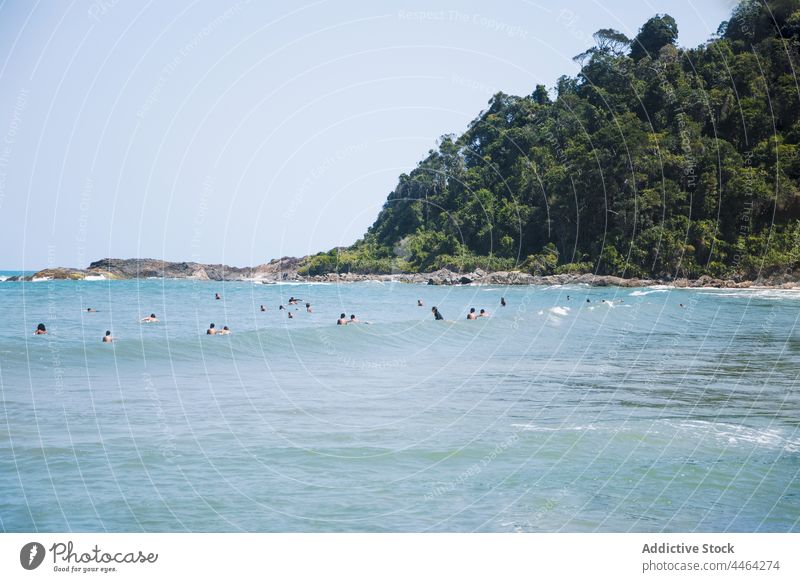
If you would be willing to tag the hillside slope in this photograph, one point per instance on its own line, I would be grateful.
(655, 161)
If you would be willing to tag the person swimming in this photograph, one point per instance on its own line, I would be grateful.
(342, 320)
(483, 313)
(438, 316)
(107, 339)
(503, 301)
(281, 307)
(216, 296)
(567, 297)
(263, 308)
(293, 301)
(211, 330)
(419, 302)
(681, 305)
(91, 310)
(308, 308)
(588, 301)
(471, 314)
(354, 319)
(289, 313)
(150, 319)
(40, 330)
(225, 330)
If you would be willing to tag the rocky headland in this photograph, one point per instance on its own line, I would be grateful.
(287, 269)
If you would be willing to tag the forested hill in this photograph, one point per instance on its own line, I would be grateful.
(654, 160)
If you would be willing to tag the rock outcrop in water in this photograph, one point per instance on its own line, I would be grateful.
(284, 269)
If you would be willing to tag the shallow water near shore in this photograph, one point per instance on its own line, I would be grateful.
(553, 414)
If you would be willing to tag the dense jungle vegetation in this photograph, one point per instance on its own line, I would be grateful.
(654, 160)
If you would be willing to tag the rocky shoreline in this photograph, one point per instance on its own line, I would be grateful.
(286, 270)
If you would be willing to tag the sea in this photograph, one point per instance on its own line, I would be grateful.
(569, 409)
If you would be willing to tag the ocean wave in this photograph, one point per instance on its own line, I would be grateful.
(642, 293)
(384, 343)
(303, 283)
(697, 432)
(736, 434)
(768, 294)
(577, 428)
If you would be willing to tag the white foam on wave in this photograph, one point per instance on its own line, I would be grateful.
(299, 283)
(539, 428)
(769, 294)
(737, 434)
(693, 431)
(558, 310)
(640, 293)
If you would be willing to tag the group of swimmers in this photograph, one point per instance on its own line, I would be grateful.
(41, 329)
(610, 301)
(343, 320)
(212, 330)
(472, 315)
(437, 315)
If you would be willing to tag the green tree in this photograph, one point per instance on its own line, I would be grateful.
(661, 30)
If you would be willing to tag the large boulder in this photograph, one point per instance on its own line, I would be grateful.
(443, 277)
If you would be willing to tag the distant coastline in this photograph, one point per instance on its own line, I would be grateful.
(287, 269)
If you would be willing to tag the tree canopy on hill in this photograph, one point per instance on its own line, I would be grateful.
(653, 161)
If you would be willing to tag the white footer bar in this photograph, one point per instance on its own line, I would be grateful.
(438, 557)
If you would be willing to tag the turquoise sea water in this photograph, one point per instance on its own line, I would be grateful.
(552, 415)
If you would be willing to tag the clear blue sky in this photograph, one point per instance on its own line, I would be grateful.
(238, 132)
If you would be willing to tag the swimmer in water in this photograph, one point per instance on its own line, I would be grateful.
(567, 297)
(503, 301)
(150, 319)
(289, 313)
(281, 307)
(353, 319)
(483, 313)
(471, 314)
(438, 316)
(40, 330)
(419, 302)
(293, 301)
(91, 310)
(588, 301)
(225, 330)
(342, 320)
(216, 296)
(107, 339)
(263, 308)
(308, 308)
(681, 305)
(211, 330)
